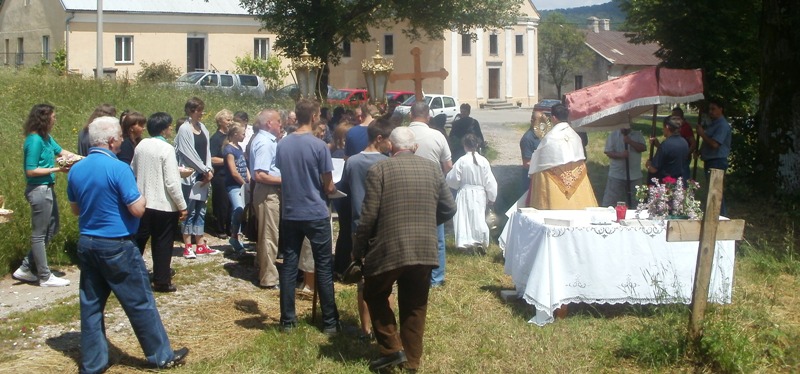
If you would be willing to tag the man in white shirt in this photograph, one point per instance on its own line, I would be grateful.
(432, 145)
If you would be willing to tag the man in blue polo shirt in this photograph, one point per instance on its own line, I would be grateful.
(102, 191)
(716, 142)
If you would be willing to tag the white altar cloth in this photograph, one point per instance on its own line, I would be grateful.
(604, 264)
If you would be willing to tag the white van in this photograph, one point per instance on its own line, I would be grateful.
(236, 83)
(438, 103)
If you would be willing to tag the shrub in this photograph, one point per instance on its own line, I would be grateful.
(270, 69)
(156, 72)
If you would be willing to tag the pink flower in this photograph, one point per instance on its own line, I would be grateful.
(669, 180)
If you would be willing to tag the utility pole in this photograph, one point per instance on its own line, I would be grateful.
(98, 73)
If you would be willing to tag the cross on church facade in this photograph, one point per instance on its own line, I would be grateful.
(418, 75)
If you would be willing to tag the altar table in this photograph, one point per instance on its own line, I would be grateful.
(552, 265)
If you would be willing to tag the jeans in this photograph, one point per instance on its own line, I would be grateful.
(196, 220)
(437, 275)
(115, 265)
(161, 227)
(237, 208)
(318, 233)
(722, 164)
(44, 226)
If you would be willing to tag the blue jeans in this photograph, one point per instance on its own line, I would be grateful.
(44, 226)
(437, 275)
(237, 208)
(196, 220)
(722, 164)
(115, 265)
(318, 233)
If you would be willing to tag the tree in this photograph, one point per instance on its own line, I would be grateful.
(719, 36)
(269, 69)
(747, 50)
(326, 24)
(561, 49)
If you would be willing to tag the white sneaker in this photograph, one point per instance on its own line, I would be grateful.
(54, 281)
(25, 275)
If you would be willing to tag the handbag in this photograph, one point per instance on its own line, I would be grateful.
(249, 222)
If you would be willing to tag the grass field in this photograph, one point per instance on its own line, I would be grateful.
(470, 329)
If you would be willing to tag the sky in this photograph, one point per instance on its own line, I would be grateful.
(561, 4)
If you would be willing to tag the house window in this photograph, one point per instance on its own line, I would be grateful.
(578, 82)
(20, 51)
(7, 52)
(466, 45)
(261, 48)
(124, 50)
(493, 44)
(388, 45)
(346, 49)
(518, 44)
(46, 47)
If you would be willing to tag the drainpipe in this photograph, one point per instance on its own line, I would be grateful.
(66, 41)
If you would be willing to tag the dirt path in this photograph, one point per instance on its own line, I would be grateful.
(193, 314)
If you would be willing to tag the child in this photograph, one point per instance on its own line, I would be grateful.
(472, 177)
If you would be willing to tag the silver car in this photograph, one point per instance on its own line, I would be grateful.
(235, 83)
(438, 103)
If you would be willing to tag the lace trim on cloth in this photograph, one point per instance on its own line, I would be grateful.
(568, 176)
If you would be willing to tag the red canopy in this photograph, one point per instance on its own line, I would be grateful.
(612, 104)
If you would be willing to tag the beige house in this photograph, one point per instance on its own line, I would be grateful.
(207, 35)
(191, 34)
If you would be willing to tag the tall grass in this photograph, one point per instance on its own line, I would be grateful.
(74, 99)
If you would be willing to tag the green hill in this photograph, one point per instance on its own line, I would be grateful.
(579, 15)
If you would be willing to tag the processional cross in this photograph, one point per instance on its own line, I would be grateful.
(418, 75)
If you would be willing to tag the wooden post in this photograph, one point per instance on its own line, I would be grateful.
(705, 255)
(418, 75)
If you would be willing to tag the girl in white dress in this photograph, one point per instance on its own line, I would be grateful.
(477, 188)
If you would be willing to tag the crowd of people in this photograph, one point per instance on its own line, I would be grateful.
(399, 185)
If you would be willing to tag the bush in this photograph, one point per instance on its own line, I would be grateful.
(270, 69)
(157, 72)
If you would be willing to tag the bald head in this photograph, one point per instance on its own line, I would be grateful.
(269, 120)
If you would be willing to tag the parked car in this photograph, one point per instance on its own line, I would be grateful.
(234, 83)
(545, 105)
(348, 97)
(398, 96)
(438, 103)
(292, 92)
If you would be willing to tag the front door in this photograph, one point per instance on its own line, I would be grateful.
(494, 83)
(195, 54)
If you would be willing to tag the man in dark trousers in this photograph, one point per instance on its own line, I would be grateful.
(102, 191)
(461, 127)
(406, 198)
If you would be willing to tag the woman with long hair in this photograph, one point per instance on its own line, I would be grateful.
(237, 176)
(39, 155)
(220, 203)
(192, 149)
(133, 124)
(102, 110)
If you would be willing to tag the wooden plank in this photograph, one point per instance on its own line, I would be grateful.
(705, 255)
(689, 230)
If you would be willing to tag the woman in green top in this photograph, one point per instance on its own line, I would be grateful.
(39, 162)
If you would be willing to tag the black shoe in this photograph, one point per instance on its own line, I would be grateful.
(393, 359)
(332, 330)
(287, 328)
(177, 359)
(169, 287)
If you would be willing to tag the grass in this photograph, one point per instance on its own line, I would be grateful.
(470, 329)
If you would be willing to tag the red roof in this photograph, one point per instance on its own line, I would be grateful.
(615, 47)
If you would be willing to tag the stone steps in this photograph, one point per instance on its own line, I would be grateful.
(498, 104)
